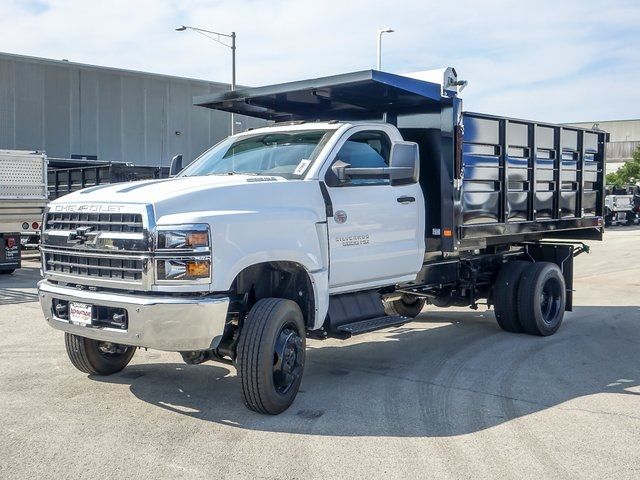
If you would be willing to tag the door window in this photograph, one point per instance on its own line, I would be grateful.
(367, 149)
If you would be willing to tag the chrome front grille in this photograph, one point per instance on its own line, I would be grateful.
(99, 245)
(108, 267)
(99, 222)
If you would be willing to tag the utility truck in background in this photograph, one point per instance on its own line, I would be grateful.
(370, 195)
(620, 205)
(23, 197)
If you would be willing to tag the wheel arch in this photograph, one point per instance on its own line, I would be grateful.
(282, 279)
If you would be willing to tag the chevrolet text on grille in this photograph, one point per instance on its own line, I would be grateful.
(95, 208)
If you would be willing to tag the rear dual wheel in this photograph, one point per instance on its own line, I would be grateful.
(530, 297)
(541, 299)
(505, 296)
(406, 306)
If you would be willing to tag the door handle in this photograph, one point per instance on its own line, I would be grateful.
(406, 200)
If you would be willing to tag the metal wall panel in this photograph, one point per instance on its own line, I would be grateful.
(70, 109)
(110, 117)
(88, 113)
(178, 120)
(155, 120)
(29, 107)
(57, 110)
(133, 119)
(7, 104)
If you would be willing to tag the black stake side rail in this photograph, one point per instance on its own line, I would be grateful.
(522, 180)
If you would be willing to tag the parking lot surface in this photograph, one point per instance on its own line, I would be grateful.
(449, 395)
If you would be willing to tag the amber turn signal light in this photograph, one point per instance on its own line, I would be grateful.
(198, 269)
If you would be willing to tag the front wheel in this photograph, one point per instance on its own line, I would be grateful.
(7, 272)
(95, 357)
(271, 355)
(406, 306)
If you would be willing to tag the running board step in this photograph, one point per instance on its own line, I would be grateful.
(364, 326)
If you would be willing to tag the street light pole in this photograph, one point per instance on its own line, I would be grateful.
(217, 37)
(233, 77)
(379, 38)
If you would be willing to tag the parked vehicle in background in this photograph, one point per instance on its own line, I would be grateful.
(23, 197)
(63, 181)
(371, 195)
(620, 206)
(636, 200)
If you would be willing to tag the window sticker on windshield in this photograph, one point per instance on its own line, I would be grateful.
(302, 166)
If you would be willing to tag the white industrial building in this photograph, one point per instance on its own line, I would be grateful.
(624, 139)
(73, 110)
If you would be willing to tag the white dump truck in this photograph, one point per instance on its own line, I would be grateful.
(369, 196)
(23, 197)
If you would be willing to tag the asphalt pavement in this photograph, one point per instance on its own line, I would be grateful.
(449, 395)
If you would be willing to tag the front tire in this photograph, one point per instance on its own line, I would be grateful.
(406, 306)
(541, 299)
(95, 357)
(7, 272)
(271, 355)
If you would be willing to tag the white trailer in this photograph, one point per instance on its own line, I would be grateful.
(23, 197)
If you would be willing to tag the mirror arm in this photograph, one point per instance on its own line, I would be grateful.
(377, 172)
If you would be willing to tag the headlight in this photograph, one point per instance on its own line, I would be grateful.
(183, 269)
(183, 239)
(183, 253)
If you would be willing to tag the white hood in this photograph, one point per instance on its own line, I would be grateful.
(153, 191)
(205, 195)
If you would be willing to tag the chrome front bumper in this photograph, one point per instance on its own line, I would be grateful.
(160, 322)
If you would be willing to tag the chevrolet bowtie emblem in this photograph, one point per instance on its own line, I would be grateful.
(80, 236)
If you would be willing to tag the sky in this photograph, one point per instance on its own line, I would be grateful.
(556, 61)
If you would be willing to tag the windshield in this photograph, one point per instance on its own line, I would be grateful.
(286, 154)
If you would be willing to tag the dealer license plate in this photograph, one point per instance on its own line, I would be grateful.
(80, 313)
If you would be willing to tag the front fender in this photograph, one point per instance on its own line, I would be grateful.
(244, 238)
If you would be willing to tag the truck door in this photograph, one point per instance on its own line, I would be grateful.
(376, 234)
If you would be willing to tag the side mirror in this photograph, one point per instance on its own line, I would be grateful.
(404, 163)
(403, 169)
(176, 166)
(339, 169)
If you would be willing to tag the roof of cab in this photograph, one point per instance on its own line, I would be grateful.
(351, 96)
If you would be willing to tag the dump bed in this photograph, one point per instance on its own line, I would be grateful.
(486, 180)
(521, 177)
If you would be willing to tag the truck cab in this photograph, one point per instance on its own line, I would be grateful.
(317, 227)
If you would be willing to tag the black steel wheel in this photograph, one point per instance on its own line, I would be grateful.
(96, 357)
(406, 306)
(541, 299)
(271, 355)
(505, 296)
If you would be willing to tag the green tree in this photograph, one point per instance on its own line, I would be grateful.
(628, 173)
